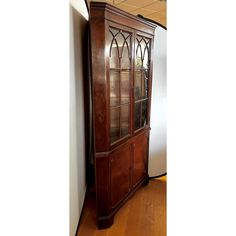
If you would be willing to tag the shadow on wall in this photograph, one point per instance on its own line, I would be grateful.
(157, 148)
(83, 83)
(159, 160)
(78, 73)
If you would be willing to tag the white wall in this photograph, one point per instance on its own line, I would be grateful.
(157, 148)
(78, 20)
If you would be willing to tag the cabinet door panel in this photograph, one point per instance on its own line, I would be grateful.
(141, 80)
(144, 113)
(114, 88)
(124, 87)
(124, 120)
(115, 124)
(120, 68)
(137, 115)
(140, 158)
(120, 174)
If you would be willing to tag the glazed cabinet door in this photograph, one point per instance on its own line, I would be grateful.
(120, 68)
(142, 80)
(140, 155)
(120, 167)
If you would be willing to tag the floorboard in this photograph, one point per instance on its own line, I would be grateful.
(143, 214)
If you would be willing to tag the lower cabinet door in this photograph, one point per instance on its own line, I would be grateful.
(120, 173)
(140, 158)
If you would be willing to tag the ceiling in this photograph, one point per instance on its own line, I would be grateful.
(152, 9)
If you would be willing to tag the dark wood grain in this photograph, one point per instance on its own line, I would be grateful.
(121, 167)
(140, 158)
(120, 174)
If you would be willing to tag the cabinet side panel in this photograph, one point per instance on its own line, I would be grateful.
(102, 185)
(99, 83)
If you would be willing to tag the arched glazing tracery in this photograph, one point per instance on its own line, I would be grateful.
(120, 67)
(142, 66)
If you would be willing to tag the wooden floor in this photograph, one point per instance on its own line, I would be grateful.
(143, 215)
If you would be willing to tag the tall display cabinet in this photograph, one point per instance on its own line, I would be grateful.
(121, 68)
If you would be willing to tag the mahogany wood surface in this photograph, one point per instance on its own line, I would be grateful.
(121, 164)
(140, 158)
(120, 174)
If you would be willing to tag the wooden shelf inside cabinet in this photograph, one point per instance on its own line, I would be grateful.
(120, 69)
(121, 64)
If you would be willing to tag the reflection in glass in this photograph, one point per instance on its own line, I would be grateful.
(125, 62)
(144, 84)
(124, 87)
(137, 113)
(114, 49)
(138, 61)
(115, 124)
(145, 48)
(124, 120)
(142, 61)
(137, 86)
(125, 51)
(144, 113)
(142, 48)
(114, 88)
(120, 55)
(114, 59)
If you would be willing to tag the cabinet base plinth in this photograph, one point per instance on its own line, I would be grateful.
(146, 182)
(105, 222)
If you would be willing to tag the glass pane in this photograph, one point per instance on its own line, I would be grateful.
(114, 60)
(124, 120)
(114, 88)
(125, 51)
(114, 50)
(142, 48)
(124, 86)
(145, 84)
(125, 61)
(119, 45)
(115, 124)
(137, 86)
(138, 61)
(137, 113)
(144, 113)
(145, 49)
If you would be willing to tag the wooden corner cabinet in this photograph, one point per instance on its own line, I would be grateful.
(121, 63)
